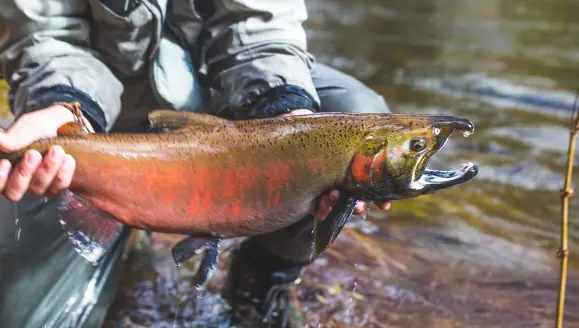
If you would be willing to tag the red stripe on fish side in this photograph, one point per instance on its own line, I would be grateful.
(239, 185)
(201, 195)
(204, 195)
(169, 182)
(278, 177)
(139, 192)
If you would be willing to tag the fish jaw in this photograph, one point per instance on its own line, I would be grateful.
(432, 181)
(425, 180)
(397, 169)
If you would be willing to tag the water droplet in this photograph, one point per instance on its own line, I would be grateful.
(466, 133)
(436, 131)
(16, 221)
(364, 215)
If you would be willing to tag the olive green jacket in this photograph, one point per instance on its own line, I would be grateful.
(236, 49)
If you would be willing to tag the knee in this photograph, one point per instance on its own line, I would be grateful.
(366, 102)
(360, 100)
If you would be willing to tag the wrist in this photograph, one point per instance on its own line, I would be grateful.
(67, 114)
(51, 96)
(61, 114)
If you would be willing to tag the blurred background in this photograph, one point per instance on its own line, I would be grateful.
(480, 255)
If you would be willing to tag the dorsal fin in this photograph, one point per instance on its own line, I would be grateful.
(173, 120)
(70, 128)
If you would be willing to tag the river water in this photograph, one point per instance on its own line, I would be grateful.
(480, 255)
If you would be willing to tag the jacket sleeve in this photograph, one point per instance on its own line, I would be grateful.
(256, 59)
(45, 56)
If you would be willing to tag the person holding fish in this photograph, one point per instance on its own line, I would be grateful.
(107, 64)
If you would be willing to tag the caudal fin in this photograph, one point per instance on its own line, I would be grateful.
(91, 231)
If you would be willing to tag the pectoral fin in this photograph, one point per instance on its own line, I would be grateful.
(328, 230)
(209, 262)
(187, 248)
(173, 120)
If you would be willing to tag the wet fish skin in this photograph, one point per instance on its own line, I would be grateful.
(210, 177)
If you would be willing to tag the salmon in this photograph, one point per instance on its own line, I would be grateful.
(212, 178)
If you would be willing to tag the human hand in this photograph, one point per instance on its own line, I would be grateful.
(35, 174)
(328, 200)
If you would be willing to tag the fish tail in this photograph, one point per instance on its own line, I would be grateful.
(91, 231)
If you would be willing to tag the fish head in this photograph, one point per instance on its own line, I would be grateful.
(392, 163)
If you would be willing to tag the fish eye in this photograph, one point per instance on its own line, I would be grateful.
(417, 144)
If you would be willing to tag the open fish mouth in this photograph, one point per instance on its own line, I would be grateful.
(433, 180)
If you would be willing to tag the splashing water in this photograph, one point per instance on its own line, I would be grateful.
(91, 231)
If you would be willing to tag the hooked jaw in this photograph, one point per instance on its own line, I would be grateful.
(433, 180)
(446, 125)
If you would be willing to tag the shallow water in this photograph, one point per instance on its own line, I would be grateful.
(481, 255)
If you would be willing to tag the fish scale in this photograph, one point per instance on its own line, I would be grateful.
(212, 178)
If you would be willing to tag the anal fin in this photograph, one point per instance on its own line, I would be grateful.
(187, 248)
(209, 262)
(191, 246)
